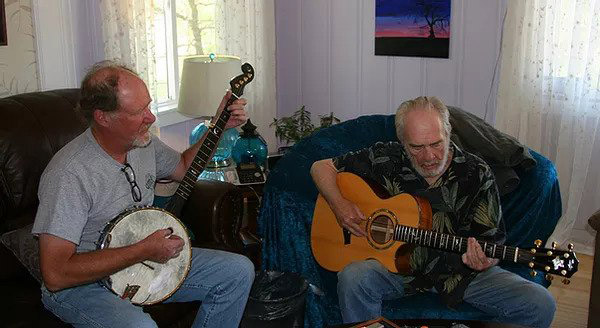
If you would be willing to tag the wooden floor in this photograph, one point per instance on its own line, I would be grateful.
(573, 299)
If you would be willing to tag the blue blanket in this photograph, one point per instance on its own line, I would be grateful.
(530, 212)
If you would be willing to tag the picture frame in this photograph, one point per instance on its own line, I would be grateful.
(412, 28)
(379, 322)
(3, 38)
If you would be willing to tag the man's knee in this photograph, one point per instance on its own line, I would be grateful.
(241, 269)
(357, 275)
(542, 303)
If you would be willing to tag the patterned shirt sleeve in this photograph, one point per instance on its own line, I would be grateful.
(485, 213)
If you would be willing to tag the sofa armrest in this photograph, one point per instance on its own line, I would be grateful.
(213, 213)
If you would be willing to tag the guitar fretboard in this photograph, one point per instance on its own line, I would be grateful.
(453, 243)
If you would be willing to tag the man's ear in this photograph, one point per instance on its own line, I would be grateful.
(102, 118)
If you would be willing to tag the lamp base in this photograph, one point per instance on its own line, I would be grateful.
(214, 164)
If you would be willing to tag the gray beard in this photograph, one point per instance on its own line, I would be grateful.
(142, 142)
(438, 171)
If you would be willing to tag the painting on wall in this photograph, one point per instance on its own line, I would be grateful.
(3, 39)
(414, 28)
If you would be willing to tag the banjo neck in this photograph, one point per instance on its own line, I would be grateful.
(209, 142)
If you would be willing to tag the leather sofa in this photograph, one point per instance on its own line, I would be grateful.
(34, 126)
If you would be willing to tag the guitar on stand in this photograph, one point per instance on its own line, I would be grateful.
(395, 225)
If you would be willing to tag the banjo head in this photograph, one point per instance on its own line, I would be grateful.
(147, 282)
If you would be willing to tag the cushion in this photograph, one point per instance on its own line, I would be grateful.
(25, 247)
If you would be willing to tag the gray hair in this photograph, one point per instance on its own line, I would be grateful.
(423, 103)
(99, 88)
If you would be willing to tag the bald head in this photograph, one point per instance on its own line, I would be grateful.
(100, 88)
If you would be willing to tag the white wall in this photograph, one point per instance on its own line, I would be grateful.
(69, 40)
(18, 66)
(326, 61)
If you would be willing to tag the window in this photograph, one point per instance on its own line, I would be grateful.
(182, 28)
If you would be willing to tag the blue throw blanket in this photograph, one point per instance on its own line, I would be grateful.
(530, 212)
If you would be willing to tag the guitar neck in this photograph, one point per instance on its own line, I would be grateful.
(207, 148)
(455, 244)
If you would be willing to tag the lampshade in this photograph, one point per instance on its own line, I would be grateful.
(203, 83)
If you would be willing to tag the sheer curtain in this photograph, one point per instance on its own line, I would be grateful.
(549, 99)
(246, 28)
(128, 38)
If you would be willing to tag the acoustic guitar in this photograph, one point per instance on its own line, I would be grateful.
(394, 226)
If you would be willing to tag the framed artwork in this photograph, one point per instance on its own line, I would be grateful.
(414, 28)
(3, 40)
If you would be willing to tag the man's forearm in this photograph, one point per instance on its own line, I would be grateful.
(324, 175)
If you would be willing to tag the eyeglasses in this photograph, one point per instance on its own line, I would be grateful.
(136, 193)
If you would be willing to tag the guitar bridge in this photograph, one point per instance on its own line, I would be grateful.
(347, 236)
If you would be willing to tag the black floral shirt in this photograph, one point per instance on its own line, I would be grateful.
(464, 202)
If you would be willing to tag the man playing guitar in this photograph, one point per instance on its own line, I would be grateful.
(464, 199)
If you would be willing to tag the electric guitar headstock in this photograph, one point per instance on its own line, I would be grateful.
(551, 261)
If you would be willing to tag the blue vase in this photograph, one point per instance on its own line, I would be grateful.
(250, 147)
(223, 152)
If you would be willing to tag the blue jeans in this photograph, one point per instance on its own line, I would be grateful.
(502, 294)
(221, 280)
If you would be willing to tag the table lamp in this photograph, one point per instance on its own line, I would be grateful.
(204, 81)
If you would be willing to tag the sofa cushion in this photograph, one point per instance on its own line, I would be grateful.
(25, 248)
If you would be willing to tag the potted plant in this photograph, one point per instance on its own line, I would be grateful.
(293, 128)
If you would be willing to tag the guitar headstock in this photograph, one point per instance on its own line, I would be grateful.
(238, 83)
(552, 261)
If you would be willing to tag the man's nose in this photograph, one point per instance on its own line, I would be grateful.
(429, 154)
(149, 117)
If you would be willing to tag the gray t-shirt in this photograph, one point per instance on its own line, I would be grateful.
(83, 188)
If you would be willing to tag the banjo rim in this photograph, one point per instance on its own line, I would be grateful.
(104, 242)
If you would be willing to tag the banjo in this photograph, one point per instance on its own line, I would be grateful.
(148, 282)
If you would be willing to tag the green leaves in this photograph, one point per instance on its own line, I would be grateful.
(299, 125)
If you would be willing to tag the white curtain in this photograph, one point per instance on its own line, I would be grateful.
(246, 28)
(127, 33)
(549, 99)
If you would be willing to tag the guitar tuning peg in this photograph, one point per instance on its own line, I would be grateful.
(570, 247)
(530, 264)
(566, 281)
(554, 245)
(537, 243)
(533, 273)
(566, 255)
(549, 277)
(547, 268)
(563, 272)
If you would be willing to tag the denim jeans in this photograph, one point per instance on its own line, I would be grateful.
(502, 294)
(221, 280)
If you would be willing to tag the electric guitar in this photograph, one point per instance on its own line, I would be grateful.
(395, 225)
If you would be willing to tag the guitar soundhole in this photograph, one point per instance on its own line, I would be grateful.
(382, 229)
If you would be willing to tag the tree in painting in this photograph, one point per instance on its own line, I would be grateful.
(435, 14)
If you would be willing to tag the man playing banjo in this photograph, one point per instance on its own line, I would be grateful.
(107, 169)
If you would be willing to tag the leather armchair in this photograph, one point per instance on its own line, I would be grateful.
(33, 127)
(594, 309)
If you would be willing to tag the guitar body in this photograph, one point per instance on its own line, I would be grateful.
(333, 249)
